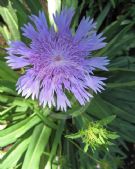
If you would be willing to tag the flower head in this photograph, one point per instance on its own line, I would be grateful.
(59, 61)
(96, 135)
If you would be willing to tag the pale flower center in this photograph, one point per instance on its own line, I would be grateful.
(58, 60)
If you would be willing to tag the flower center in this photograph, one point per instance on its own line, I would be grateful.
(58, 58)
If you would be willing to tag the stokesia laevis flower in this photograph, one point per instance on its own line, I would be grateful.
(58, 61)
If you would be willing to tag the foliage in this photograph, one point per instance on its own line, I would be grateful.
(37, 136)
(96, 135)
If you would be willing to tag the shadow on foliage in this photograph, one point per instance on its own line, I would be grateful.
(4, 3)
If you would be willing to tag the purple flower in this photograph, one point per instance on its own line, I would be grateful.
(58, 62)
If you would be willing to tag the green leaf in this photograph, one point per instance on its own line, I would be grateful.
(70, 3)
(48, 122)
(113, 3)
(12, 133)
(115, 40)
(34, 6)
(6, 110)
(113, 136)
(9, 16)
(107, 120)
(14, 154)
(38, 142)
(74, 136)
(5, 32)
(116, 85)
(121, 103)
(7, 87)
(56, 142)
(103, 15)
(6, 73)
(86, 148)
(21, 12)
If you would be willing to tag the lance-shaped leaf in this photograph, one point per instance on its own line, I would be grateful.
(39, 140)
